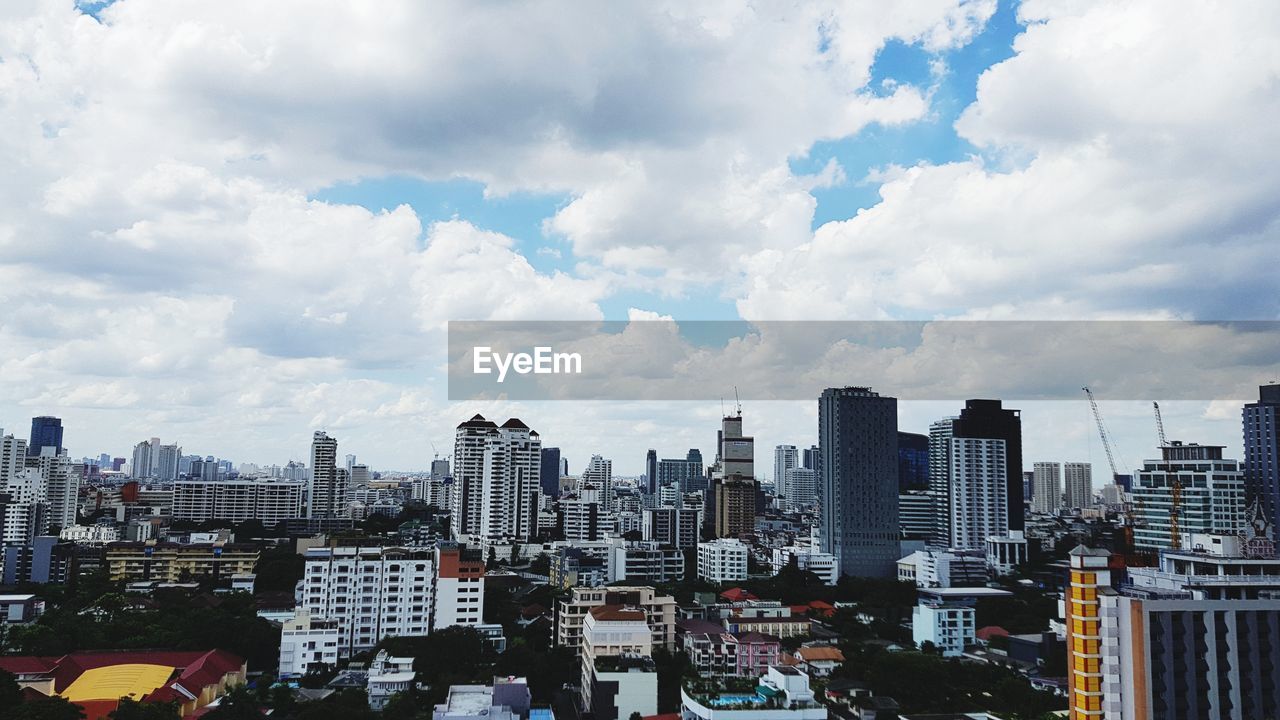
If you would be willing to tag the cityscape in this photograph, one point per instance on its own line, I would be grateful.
(509, 580)
(639, 360)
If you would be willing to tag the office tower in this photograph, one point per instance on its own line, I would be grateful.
(359, 474)
(675, 526)
(46, 432)
(599, 473)
(785, 457)
(858, 437)
(1209, 492)
(802, 488)
(141, 466)
(327, 489)
(651, 472)
(1028, 487)
(440, 468)
(268, 501)
(913, 462)
(1262, 451)
(104, 461)
(734, 486)
(687, 474)
(549, 474)
(351, 461)
(811, 457)
(1047, 481)
(496, 480)
(1078, 484)
(916, 515)
(166, 462)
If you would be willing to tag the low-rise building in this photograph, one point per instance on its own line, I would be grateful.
(308, 644)
(507, 699)
(747, 654)
(808, 559)
(20, 609)
(175, 562)
(782, 693)
(619, 677)
(660, 613)
(388, 676)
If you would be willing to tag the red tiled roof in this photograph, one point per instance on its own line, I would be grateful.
(820, 653)
(990, 631)
(28, 665)
(667, 716)
(737, 595)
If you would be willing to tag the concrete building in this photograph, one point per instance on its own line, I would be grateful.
(916, 515)
(686, 474)
(507, 699)
(388, 676)
(969, 480)
(497, 482)
(802, 488)
(328, 484)
(675, 526)
(235, 501)
(783, 693)
(722, 561)
(177, 562)
(819, 563)
(723, 653)
(619, 677)
(458, 598)
(1191, 489)
(785, 458)
(858, 437)
(659, 610)
(1077, 485)
(308, 644)
(949, 626)
(1261, 467)
(1046, 482)
(599, 472)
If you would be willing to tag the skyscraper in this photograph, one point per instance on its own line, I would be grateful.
(142, 461)
(968, 482)
(785, 457)
(46, 431)
(496, 480)
(988, 419)
(1191, 489)
(734, 489)
(549, 475)
(913, 462)
(166, 462)
(686, 473)
(599, 472)
(858, 437)
(1077, 484)
(651, 472)
(1262, 451)
(1046, 478)
(326, 491)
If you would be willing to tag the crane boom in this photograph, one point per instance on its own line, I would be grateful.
(1106, 436)
(1159, 424)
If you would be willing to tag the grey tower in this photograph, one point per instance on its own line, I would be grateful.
(858, 440)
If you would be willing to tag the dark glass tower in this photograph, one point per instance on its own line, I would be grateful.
(1262, 451)
(858, 438)
(988, 419)
(913, 461)
(651, 471)
(549, 471)
(46, 431)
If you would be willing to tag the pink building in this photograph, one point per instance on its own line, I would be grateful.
(746, 654)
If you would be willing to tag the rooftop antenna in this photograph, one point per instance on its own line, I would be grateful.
(737, 401)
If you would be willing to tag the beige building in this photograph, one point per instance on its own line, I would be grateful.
(174, 562)
(659, 610)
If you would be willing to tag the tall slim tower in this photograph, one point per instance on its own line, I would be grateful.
(1262, 451)
(549, 476)
(858, 437)
(1077, 484)
(46, 431)
(734, 489)
(496, 475)
(326, 492)
(651, 472)
(599, 472)
(469, 444)
(785, 457)
(988, 419)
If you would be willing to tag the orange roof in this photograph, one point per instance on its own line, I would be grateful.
(819, 653)
(989, 631)
(737, 595)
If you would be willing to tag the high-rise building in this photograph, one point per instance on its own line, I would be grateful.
(1046, 479)
(496, 480)
(166, 462)
(1077, 484)
(327, 489)
(360, 475)
(268, 501)
(13, 458)
(685, 473)
(734, 486)
(1190, 490)
(1090, 576)
(913, 462)
(651, 472)
(1262, 450)
(858, 437)
(23, 508)
(989, 419)
(61, 479)
(46, 432)
(599, 472)
(678, 527)
(549, 474)
(459, 591)
(785, 457)
(968, 479)
(140, 468)
(916, 515)
(802, 488)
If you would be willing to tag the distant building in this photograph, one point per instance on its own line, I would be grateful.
(913, 462)
(1077, 484)
(1047, 483)
(177, 562)
(686, 473)
(327, 489)
(549, 471)
(722, 561)
(675, 526)
(1261, 468)
(659, 610)
(46, 432)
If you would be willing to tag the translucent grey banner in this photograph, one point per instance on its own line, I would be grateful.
(911, 360)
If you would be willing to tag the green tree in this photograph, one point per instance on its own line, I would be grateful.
(238, 704)
(10, 691)
(130, 709)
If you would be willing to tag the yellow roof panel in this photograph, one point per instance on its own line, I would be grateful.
(113, 682)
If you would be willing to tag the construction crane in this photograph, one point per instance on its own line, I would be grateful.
(1106, 436)
(1175, 485)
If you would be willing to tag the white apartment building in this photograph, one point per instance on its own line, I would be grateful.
(388, 675)
(722, 561)
(819, 563)
(802, 487)
(979, 503)
(1077, 484)
(90, 534)
(373, 593)
(599, 472)
(785, 457)
(26, 513)
(949, 627)
(619, 678)
(1209, 489)
(269, 501)
(459, 587)
(1046, 487)
(496, 480)
(308, 643)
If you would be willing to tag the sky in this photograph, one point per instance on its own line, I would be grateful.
(231, 224)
